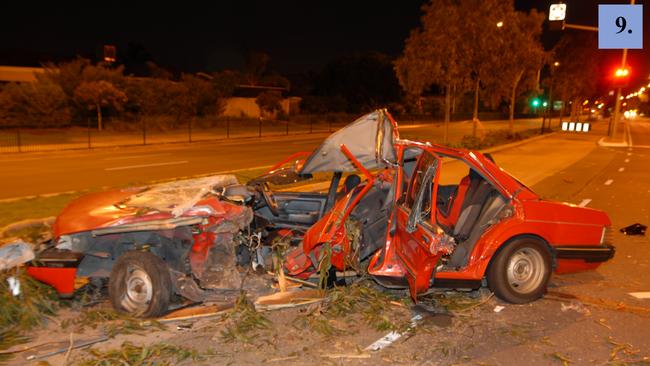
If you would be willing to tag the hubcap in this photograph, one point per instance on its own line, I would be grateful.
(139, 290)
(525, 270)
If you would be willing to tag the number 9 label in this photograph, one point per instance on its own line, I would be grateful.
(620, 26)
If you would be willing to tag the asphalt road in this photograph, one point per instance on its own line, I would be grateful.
(640, 130)
(38, 173)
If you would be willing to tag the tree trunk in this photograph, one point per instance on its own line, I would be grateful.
(513, 101)
(99, 117)
(447, 112)
(475, 114)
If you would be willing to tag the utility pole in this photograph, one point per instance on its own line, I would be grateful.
(617, 102)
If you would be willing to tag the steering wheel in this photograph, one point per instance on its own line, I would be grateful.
(265, 189)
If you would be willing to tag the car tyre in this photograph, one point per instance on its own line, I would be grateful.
(140, 285)
(519, 272)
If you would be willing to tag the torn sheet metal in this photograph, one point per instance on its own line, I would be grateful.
(178, 197)
(152, 225)
(369, 138)
(15, 254)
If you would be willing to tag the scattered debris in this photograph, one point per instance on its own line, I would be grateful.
(498, 308)
(113, 323)
(576, 306)
(641, 295)
(391, 337)
(130, 354)
(603, 322)
(195, 312)
(27, 308)
(626, 348)
(601, 303)
(68, 348)
(245, 321)
(9, 339)
(565, 361)
(340, 355)
(15, 254)
(634, 229)
(288, 299)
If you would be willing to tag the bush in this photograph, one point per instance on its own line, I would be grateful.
(40, 104)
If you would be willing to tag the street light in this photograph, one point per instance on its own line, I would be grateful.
(500, 24)
(556, 64)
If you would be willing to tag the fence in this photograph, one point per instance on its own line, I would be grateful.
(150, 131)
(154, 131)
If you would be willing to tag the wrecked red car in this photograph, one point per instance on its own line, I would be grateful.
(422, 216)
(433, 216)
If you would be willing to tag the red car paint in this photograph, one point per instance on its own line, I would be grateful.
(409, 255)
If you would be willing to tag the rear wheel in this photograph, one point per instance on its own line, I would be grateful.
(140, 285)
(519, 272)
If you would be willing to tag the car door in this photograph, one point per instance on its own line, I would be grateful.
(416, 228)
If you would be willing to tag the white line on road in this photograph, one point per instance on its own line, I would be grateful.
(146, 165)
(621, 169)
(609, 181)
(136, 156)
(584, 202)
(629, 154)
(627, 160)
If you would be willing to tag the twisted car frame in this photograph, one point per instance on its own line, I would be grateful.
(422, 216)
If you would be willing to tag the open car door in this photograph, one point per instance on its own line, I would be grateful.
(421, 242)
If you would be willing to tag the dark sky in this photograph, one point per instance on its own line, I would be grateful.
(206, 36)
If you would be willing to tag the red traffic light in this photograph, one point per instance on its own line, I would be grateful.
(621, 77)
(622, 72)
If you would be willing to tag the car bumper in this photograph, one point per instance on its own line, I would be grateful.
(590, 254)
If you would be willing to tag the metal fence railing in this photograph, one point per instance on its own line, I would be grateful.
(145, 132)
(153, 131)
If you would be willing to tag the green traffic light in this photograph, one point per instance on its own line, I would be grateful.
(535, 102)
(544, 104)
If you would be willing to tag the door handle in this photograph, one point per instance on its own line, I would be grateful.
(425, 239)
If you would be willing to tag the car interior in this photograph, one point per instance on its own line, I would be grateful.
(466, 204)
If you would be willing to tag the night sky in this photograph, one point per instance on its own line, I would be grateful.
(188, 36)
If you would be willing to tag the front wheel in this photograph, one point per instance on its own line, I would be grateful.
(140, 285)
(519, 272)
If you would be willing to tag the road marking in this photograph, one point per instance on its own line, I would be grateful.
(621, 169)
(584, 202)
(627, 160)
(136, 156)
(146, 165)
(629, 154)
(609, 181)
(641, 295)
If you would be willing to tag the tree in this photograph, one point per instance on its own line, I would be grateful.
(521, 58)
(433, 54)
(269, 101)
(366, 80)
(41, 104)
(482, 34)
(573, 78)
(99, 94)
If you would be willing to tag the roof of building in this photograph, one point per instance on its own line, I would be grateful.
(19, 74)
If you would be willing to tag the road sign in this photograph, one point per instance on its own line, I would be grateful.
(557, 105)
(557, 12)
(620, 26)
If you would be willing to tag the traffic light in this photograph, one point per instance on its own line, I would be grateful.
(621, 77)
(535, 102)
